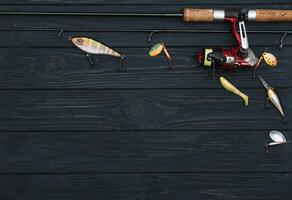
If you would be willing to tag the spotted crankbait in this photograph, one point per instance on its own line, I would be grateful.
(157, 49)
(91, 46)
(277, 137)
(231, 88)
(272, 96)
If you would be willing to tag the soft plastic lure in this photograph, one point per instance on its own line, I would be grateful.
(90, 46)
(272, 96)
(231, 88)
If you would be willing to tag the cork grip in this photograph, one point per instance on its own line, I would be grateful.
(273, 15)
(198, 15)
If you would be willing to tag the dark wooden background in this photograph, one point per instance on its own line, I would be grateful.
(71, 131)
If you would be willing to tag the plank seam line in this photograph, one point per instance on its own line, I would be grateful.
(191, 46)
(145, 173)
(144, 4)
(131, 89)
(143, 130)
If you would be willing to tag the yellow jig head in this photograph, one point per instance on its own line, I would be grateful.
(231, 88)
(157, 49)
(272, 96)
(91, 46)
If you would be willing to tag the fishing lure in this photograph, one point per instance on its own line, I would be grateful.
(231, 88)
(90, 46)
(277, 137)
(272, 97)
(269, 59)
(157, 49)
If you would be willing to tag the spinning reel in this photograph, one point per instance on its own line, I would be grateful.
(240, 56)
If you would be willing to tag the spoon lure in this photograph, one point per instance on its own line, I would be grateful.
(278, 138)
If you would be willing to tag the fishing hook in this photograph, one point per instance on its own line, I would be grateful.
(282, 39)
(89, 59)
(150, 36)
(61, 33)
(122, 62)
(267, 149)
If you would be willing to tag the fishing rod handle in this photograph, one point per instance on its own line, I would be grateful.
(198, 15)
(257, 15)
(263, 15)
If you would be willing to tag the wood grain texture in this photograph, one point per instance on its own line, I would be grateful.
(33, 38)
(141, 151)
(71, 131)
(148, 2)
(136, 110)
(69, 68)
(266, 15)
(147, 186)
(105, 22)
(198, 15)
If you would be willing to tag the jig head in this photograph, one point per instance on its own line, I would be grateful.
(157, 49)
(272, 97)
(231, 88)
(90, 46)
(278, 138)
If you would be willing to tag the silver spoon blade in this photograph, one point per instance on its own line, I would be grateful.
(277, 137)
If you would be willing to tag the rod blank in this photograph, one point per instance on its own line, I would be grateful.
(94, 14)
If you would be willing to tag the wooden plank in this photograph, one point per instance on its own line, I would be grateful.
(105, 22)
(149, 2)
(147, 186)
(68, 68)
(145, 7)
(61, 22)
(135, 110)
(120, 38)
(141, 151)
